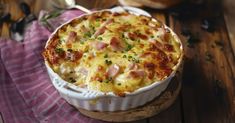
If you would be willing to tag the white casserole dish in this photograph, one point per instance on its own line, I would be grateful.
(100, 101)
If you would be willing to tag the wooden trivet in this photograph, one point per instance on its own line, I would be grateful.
(154, 107)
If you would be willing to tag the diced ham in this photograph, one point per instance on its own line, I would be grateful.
(74, 55)
(113, 70)
(116, 44)
(77, 55)
(137, 73)
(72, 36)
(100, 31)
(133, 66)
(132, 36)
(99, 45)
(102, 28)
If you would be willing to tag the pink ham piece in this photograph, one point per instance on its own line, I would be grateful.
(74, 55)
(137, 73)
(116, 44)
(99, 45)
(113, 70)
(133, 66)
(102, 28)
(72, 36)
(100, 31)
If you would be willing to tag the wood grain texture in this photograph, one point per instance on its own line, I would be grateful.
(208, 85)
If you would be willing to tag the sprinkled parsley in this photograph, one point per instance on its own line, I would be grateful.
(108, 62)
(106, 56)
(82, 42)
(59, 50)
(70, 50)
(100, 38)
(108, 80)
(129, 47)
(88, 34)
(72, 80)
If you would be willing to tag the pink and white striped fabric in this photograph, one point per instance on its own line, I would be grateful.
(26, 93)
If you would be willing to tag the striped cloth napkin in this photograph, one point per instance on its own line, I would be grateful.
(26, 93)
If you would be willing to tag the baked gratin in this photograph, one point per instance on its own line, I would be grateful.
(113, 52)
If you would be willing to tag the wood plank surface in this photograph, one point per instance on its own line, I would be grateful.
(208, 79)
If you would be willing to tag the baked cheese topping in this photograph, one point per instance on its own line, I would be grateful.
(113, 52)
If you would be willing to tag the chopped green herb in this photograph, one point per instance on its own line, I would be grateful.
(108, 80)
(70, 50)
(72, 80)
(100, 38)
(106, 56)
(124, 56)
(129, 57)
(123, 36)
(129, 47)
(88, 34)
(97, 19)
(135, 60)
(61, 40)
(108, 62)
(92, 27)
(152, 36)
(119, 84)
(82, 42)
(59, 50)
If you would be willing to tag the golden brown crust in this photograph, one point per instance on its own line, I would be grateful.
(117, 52)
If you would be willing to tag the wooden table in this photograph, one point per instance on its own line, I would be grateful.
(208, 94)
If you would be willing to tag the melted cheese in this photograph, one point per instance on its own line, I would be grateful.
(113, 52)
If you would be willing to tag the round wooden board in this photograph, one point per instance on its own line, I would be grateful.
(154, 107)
